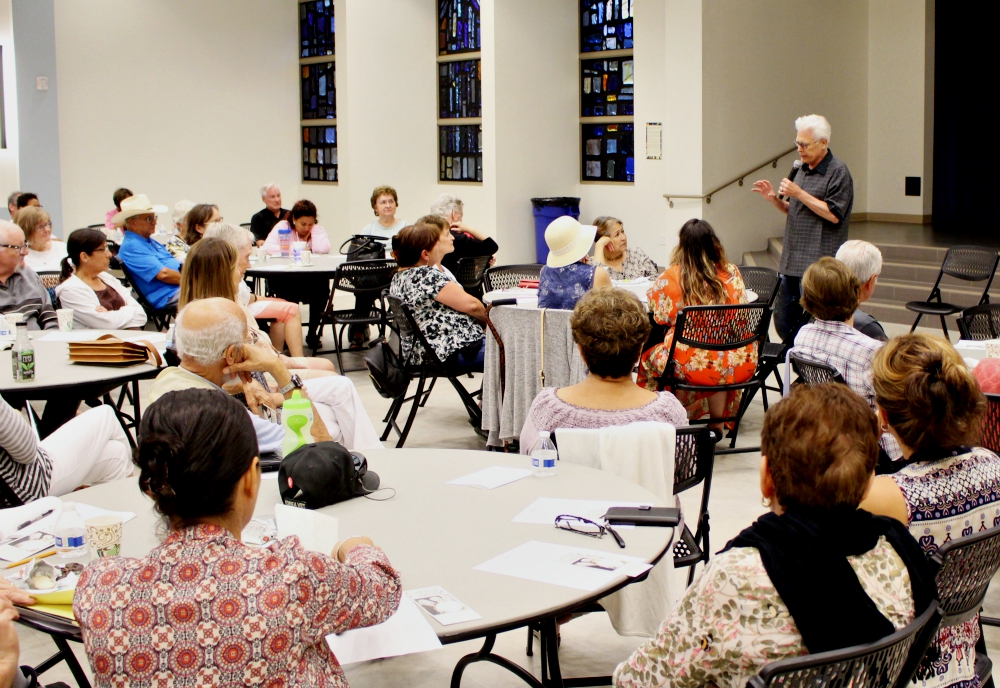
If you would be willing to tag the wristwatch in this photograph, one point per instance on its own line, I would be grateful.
(296, 383)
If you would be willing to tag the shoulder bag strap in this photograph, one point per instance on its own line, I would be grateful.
(541, 372)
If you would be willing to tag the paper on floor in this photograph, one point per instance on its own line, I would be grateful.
(570, 567)
(404, 633)
(317, 532)
(492, 477)
(442, 606)
(545, 509)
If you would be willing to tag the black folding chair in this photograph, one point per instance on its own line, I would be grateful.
(160, 317)
(980, 322)
(509, 276)
(761, 281)
(969, 263)
(405, 329)
(719, 328)
(62, 632)
(887, 663)
(365, 279)
(470, 272)
(812, 372)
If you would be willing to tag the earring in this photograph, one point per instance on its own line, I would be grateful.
(765, 502)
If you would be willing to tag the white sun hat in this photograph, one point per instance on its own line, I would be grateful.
(136, 205)
(568, 241)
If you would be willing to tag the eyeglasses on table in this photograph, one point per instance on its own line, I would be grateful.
(584, 526)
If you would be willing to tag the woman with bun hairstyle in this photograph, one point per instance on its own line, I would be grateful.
(950, 488)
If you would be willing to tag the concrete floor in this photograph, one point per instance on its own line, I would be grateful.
(590, 647)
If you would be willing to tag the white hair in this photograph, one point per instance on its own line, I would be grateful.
(6, 227)
(267, 187)
(208, 345)
(446, 204)
(181, 209)
(864, 259)
(817, 124)
(239, 237)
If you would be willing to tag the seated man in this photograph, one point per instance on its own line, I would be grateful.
(21, 291)
(156, 273)
(830, 293)
(865, 261)
(263, 222)
(12, 204)
(469, 242)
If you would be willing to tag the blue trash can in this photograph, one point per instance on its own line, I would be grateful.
(545, 211)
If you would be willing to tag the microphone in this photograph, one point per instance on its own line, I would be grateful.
(796, 166)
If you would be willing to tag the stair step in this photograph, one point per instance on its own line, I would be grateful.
(761, 259)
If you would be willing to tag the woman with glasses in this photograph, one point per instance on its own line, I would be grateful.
(44, 252)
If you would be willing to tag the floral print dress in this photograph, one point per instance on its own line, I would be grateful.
(636, 266)
(695, 366)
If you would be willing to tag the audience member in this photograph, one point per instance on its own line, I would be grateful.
(264, 221)
(385, 225)
(699, 275)
(309, 289)
(469, 242)
(12, 205)
(197, 219)
(155, 272)
(117, 197)
(449, 318)
(21, 291)
(830, 294)
(949, 487)
(198, 463)
(44, 253)
(610, 327)
(179, 216)
(612, 252)
(865, 261)
(214, 268)
(88, 449)
(97, 298)
(27, 199)
(11, 675)
(815, 574)
(442, 225)
(568, 273)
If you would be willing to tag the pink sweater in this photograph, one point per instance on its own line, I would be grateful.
(318, 242)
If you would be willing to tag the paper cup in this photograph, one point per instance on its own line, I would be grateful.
(307, 257)
(992, 348)
(65, 318)
(104, 535)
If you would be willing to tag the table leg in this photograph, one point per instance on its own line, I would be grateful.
(485, 654)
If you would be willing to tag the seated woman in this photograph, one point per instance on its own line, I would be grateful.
(198, 219)
(609, 328)
(44, 253)
(97, 298)
(449, 318)
(699, 275)
(949, 487)
(198, 463)
(88, 449)
(469, 242)
(568, 274)
(120, 194)
(302, 220)
(212, 269)
(612, 252)
(385, 202)
(814, 574)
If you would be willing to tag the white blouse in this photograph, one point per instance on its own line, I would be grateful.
(76, 294)
(46, 261)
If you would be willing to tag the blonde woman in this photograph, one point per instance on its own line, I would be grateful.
(45, 253)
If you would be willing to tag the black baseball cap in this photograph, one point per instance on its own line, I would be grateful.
(323, 473)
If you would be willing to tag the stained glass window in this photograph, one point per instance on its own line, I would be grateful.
(460, 89)
(461, 153)
(609, 152)
(319, 154)
(316, 28)
(605, 25)
(319, 91)
(607, 87)
(458, 27)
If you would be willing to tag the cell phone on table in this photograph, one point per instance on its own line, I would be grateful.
(665, 517)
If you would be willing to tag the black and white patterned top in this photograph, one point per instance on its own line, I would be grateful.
(446, 329)
(808, 237)
(636, 266)
(24, 465)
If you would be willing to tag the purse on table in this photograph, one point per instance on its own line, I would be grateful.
(110, 350)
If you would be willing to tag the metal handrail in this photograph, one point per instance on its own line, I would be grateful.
(773, 162)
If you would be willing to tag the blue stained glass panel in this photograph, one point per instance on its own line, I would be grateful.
(458, 27)
(319, 154)
(608, 152)
(316, 28)
(460, 89)
(607, 87)
(605, 25)
(461, 153)
(319, 91)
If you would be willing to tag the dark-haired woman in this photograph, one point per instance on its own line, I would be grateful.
(302, 220)
(699, 275)
(949, 488)
(98, 299)
(609, 327)
(447, 315)
(117, 197)
(197, 221)
(202, 606)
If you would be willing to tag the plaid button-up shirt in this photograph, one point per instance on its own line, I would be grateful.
(839, 345)
(808, 237)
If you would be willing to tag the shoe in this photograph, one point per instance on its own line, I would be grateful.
(314, 343)
(358, 344)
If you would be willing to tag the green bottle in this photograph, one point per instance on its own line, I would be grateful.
(22, 355)
(297, 419)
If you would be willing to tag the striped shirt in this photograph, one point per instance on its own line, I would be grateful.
(24, 465)
(24, 293)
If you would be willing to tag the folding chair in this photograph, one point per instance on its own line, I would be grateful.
(812, 372)
(160, 317)
(62, 633)
(761, 281)
(969, 263)
(980, 322)
(509, 276)
(470, 272)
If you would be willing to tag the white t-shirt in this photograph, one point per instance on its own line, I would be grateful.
(46, 261)
(387, 233)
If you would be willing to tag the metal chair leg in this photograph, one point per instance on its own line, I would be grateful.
(413, 413)
(944, 326)
(916, 322)
(390, 417)
(337, 346)
(427, 394)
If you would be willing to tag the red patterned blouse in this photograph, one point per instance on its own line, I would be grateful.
(203, 609)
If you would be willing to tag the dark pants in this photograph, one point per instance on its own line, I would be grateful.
(471, 358)
(57, 412)
(787, 309)
(311, 289)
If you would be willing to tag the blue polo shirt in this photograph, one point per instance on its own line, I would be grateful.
(144, 259)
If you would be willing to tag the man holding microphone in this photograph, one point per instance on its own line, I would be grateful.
(817, 197)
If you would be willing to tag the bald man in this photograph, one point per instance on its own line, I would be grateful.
(21, 290)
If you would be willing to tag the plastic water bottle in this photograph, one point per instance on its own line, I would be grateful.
(22, 355)
(544, 456)
(297, 420)
(285, 241)
(71, 536)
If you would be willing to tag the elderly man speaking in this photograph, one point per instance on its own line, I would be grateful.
(817, 197)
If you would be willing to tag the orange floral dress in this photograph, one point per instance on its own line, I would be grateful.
(695, 366)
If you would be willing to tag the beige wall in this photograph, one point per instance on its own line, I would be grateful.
(9, 180)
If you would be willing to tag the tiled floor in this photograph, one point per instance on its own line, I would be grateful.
(589, 645)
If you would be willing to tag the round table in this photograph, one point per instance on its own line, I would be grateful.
(434, 534)
(322, 264)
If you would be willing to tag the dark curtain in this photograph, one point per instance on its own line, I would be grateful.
(965, 103)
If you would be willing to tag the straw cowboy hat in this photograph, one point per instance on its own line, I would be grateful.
(137, 205)
(568, 241)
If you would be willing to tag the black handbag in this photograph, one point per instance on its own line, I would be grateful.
(386, 370)
(363, 247)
